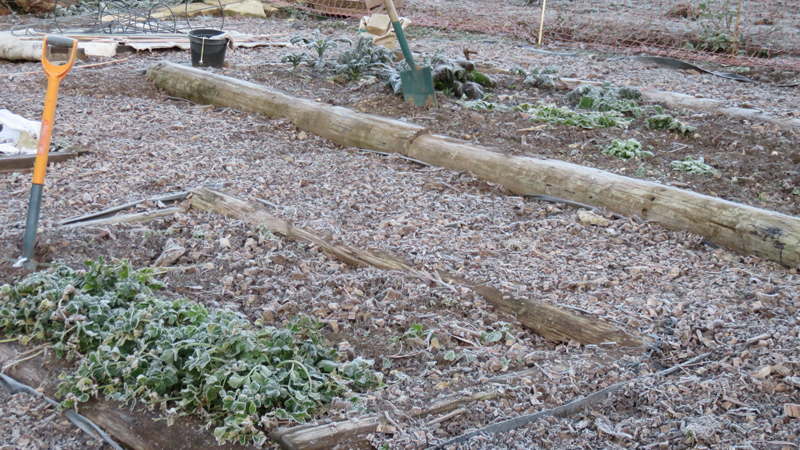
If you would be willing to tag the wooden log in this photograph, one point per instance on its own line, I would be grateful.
(137, 429)
(340, 125)
(741, 228)
(551, 322)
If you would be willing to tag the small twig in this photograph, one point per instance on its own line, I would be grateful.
(169, 97)
(261, 200)
(544, 372)
(408, 355)
(19, 360)
(760, 337)
(547, 198)
(9, 340)
(454, 336)
(447, 416)
(469, 332)
(415, 161)
(389, 418)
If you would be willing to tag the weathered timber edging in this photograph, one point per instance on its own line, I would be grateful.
(741, 228)
(23, 163)
(551, 322)
(675, 100)
(136, 429)
(142, 217)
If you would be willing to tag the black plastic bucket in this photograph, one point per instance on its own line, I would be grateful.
(207, 49)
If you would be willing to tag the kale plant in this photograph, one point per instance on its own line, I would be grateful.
(364, 59)
(662, 121)
(693, 166)
(320, 44)
(565, 116)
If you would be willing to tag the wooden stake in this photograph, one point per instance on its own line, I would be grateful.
(541, 24)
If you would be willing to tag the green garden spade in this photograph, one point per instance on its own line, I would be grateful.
(417, 82)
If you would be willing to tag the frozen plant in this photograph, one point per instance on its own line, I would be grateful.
(320, 44)
(627, 149)
(693, 166)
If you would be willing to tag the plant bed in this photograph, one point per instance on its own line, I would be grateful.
(177, 357)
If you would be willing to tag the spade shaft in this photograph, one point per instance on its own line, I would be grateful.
(54, 76)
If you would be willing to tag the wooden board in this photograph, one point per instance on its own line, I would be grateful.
(25, 162)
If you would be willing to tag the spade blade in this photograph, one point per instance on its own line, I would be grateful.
(418, 87)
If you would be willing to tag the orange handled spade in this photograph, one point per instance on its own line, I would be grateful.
(54, 76)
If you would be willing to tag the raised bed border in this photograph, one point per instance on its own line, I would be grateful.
(744, 229)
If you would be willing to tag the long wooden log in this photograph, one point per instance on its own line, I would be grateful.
(551, 322)
(742, 228)
(136, 428)
(340, 125)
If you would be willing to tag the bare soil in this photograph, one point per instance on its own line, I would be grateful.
(689, 298)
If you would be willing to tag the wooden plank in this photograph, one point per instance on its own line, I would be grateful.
(142, 217)
(551, 322)
(137, 429)
(348, 434)
(25, 162)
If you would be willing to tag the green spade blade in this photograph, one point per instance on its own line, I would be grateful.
(418, 87)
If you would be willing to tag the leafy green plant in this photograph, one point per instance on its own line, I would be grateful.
(627, 149)
(540, 78)
(496, 335)
(320, 44)
(297, 58)
(483, 105)
(693, 166)
(606, 98)
(565, 116)
(177, 356)
(364, 59)
(417, 331)
(662, 121)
